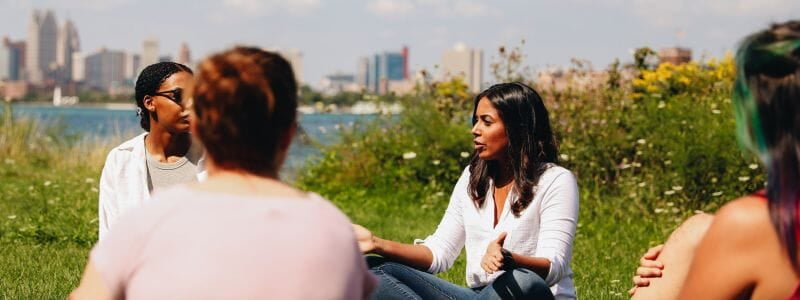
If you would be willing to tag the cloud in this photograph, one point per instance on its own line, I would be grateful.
(440, 8)
(390, 7)
(263, 7)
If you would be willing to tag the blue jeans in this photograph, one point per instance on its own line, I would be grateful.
(398, 281)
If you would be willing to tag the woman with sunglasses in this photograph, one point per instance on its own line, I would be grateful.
(161, 156)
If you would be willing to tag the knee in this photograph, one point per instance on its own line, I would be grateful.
(693, 229)
(375, 262)
(524, 282)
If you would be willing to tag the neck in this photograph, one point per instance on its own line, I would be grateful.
(160, 142)
(216, 171)
(503, 173)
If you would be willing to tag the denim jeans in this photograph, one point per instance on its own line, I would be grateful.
(398, 281)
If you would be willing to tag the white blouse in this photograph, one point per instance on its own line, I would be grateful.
(546, 229)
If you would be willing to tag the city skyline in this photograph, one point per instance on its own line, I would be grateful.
(333, 36)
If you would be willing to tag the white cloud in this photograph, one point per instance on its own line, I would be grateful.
(261, 7)
(390, 7)
(442, 8)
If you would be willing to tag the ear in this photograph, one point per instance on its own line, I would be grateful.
(148, 103)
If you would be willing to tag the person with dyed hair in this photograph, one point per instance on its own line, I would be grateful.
(749, 249)
(243, 233)
(161, 156)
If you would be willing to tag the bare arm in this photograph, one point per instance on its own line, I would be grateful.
(417, 256)
(91, 286)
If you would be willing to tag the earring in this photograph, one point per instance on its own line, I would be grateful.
(138, 111)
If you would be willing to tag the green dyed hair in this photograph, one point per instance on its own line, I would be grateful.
(768, 53)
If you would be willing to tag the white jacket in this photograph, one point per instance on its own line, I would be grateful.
(123, 183)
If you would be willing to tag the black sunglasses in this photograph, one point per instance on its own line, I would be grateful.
(175, 95)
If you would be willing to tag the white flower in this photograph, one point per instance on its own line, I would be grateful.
(632, 195)
(715, 111)
(409, 155)
(675, 210)
(564, 157)
(713, 179)
(94, 190)
(661, 104)
(642, 184)
(753, 166)
(638, 152)
(744, 178)
(435, 162)
(464, 154)
(12, 217)
(615, 281)
(670, 192)
(624, 166)
(670, 204)
(637, 165)
(668, 162)
(439, 194)
(659, 210)
(47, 183)
(9, 161)
(716, 194)
(88, 180)
(677, 188)
(641, 141)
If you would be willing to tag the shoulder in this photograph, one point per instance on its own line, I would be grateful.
(748, 216)
(556, 175)
(127, 148)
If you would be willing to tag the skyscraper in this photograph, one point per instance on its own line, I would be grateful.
(11, 55)
(362, 72)
(385, 68)
(184, 55)
(67, 45)
(105, 69)
(133, 63)
(78, 67)
(464, 62)
(149, 52)
(41, 46)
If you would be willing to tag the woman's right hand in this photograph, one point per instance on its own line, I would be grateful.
(648, 268)
(366, 241)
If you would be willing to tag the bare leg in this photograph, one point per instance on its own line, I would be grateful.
(676, 257)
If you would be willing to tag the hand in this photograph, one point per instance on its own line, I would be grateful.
(366, 241)
(648, 268)
(493, 259)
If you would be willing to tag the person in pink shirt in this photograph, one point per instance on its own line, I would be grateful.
(242, 234)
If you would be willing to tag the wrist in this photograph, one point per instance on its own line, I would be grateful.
(379, 245)
(508, 260)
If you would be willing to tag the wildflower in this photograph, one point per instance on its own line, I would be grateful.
(564, 157)
(753, 166)
(439, 194)
(716, 194)
(675, 210)
(12, 217)
(642, 184)
(716, 111)
(668, 162)
(638, 152)
(464, 154)
(47, 183)
(713, 179)
(641, 141)
(661, 104)
(632, 195)
(637, 165)
(94, 190)
(88, 180)
(435, 162)
(670, 192)
(659, 210)
(744, 178)
(615, 281)
(9, 161)
(409, 155)
(623, 166)
(677, 188)
(670, 203)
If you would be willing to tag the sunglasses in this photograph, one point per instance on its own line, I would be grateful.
(175, 95)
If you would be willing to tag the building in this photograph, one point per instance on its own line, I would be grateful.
(78, 67)
(68, 44)
(11, 59)
(675, 55)
(149, 52)
(105, 69)
(466, 63)
(41, 47)
(184, 55)
(339, 82)
(362, 72)
(385, 69)
(133, 64)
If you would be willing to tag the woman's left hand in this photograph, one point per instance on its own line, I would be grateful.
(493, 259)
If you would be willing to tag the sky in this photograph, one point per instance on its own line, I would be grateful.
(332, 35)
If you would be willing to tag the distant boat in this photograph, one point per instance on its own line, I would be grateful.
(59, 100)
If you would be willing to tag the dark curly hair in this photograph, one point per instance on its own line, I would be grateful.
(531, 144)
(150, 79)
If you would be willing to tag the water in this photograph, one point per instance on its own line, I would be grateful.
(321, 129)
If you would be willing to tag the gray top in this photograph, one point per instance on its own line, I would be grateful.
(161, 175)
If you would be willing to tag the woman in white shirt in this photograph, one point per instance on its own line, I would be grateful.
(513, 209)
(163, 155)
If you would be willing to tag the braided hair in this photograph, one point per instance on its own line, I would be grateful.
(150, 79)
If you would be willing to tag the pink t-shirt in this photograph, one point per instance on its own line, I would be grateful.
(190, 244)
